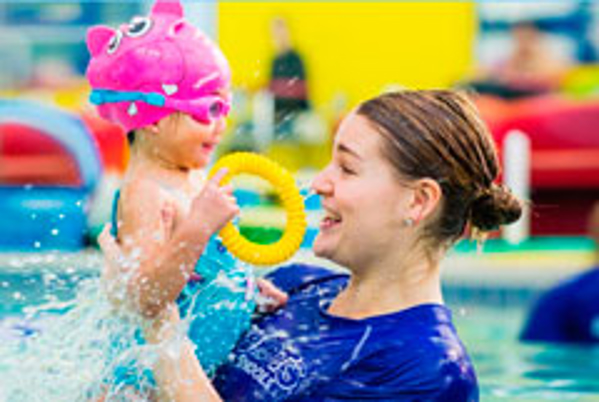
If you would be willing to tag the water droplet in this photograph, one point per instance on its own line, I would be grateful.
(50, 258)
(37, 244)
(15, 263)
(54, 232)
(49, 277)
(61, 216)
(51, 298)
(18, 296)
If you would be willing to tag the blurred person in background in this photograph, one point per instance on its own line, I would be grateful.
(287, 79)
(530, 69)
(568, 312)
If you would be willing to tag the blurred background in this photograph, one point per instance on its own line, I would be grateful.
(298, 68)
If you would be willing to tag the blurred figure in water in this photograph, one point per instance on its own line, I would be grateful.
(568, 312)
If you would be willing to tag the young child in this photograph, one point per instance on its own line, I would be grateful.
(167, 84)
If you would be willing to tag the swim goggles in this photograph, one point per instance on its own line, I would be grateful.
(205, 109)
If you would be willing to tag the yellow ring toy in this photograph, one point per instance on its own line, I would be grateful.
(284, 184)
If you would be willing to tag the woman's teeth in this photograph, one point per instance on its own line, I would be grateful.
(329, 221)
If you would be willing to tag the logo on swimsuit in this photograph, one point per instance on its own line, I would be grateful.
(273, 362)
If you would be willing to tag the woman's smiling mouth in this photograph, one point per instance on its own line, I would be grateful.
(330, 220)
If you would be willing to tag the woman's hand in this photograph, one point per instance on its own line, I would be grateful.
(115, 268)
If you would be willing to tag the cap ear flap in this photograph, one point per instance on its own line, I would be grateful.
(97, 38)
(168, 7)
(177, 28)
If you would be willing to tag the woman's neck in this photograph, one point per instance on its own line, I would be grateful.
(385, 287)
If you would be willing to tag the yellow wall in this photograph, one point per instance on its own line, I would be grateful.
(355, 48)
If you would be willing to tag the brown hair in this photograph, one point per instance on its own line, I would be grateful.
(438, 134)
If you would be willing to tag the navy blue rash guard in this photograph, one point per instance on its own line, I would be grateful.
(566, 313)
(302, 353)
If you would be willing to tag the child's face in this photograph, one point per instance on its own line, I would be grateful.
(186, 142)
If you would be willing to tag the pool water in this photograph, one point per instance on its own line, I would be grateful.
(61, 340)
(507, 370)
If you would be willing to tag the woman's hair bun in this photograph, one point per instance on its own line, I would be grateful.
(494, 207)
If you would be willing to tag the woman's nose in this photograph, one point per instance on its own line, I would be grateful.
(322, 184)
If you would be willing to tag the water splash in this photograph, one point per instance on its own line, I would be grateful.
(70, 351)
(308, 193)
(85, 348)
(75, 349)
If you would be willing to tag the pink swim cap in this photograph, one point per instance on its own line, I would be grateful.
(154, 66)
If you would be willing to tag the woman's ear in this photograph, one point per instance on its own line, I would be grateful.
(427, 195)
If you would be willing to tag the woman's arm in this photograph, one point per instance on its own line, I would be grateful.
(177, 371)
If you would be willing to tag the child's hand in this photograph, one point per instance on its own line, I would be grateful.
(214, 206)
(270, 297)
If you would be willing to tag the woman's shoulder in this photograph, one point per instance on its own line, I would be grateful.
(421, 355)
(400, 373)
(296, 277)
(425, 331)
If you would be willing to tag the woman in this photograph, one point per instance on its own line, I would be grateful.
(411, 172)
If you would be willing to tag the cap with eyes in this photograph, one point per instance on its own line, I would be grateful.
(160, 53)
(138, 26)
(114, 42)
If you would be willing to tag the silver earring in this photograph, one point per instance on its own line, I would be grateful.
(408, 222)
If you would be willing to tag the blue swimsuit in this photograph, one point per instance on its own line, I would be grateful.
(218, 301)
(303, 353)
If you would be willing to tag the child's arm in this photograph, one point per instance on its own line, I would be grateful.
(165, 261)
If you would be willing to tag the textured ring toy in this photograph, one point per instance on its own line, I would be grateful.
(289, 194)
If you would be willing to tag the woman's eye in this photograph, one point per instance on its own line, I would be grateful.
(347, 170)
(138, 27)
(114, 42)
